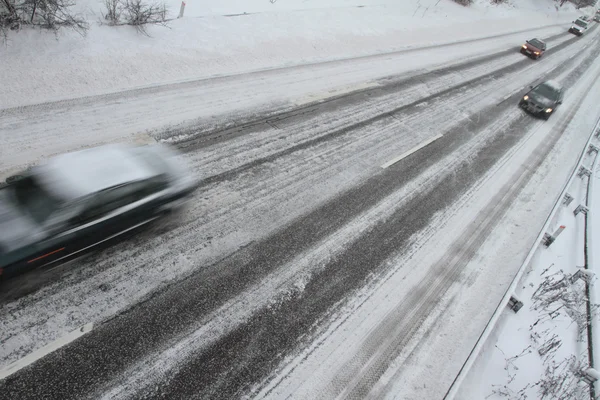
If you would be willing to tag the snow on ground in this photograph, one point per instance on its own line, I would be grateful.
(433, 356)
(594, 254)
(533, 353)
(357, 161)
(30, 133)
(38, 68)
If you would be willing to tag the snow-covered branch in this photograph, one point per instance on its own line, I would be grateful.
(138, 13)
(50, 14)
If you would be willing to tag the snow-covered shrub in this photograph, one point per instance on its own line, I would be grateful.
(464, 2)
(50, 14)
(139, 12)
(113, 11)
(557, 293)
(136, 13)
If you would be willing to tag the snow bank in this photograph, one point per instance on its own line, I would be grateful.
(529, 350)
(594, 254)
(216, 38)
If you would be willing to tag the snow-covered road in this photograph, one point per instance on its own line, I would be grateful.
(302, 267)
(177, 110)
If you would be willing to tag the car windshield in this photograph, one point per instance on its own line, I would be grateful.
(157, 165)
(536, 43)
(580, 23)
(546, 91)
(33, 200)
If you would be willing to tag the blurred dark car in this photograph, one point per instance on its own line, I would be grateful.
(543, 99)
(534, 48)
(78, 201)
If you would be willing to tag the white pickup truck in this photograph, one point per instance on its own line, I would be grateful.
(578, 27)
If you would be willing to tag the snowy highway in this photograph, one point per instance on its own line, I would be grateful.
(330, 240)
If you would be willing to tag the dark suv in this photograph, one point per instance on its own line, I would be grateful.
(543, 99)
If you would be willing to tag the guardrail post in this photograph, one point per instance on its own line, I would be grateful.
(567, 199)
(550, 238)
(515, 304)
(581, 209)
(584, 274)
(590, 375)
(583, 171)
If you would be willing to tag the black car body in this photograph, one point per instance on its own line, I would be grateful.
(543, 99)
(77, 201)
(578, 27)
(534, 48)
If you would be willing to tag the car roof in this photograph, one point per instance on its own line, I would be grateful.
(553, 84)
(537, 40)
(78, 174)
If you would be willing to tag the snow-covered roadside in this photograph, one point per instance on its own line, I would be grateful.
(539, 351)
(38, 68)
(593, 254)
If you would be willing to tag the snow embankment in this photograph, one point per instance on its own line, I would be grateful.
(593, 239)
(247, 36)
(542, 351)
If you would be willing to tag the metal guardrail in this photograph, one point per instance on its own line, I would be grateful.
(491, 325)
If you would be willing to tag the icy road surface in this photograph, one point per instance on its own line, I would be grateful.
(307, 265)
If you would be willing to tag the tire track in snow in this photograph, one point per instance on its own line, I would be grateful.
(201, 291)
(356, 378)
(385, 113)
(149, 260)
(299, 270)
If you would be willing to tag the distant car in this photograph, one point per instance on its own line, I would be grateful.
(534, 48)
(543, 99)
(578, 27)
(77, 201)
(597, 18)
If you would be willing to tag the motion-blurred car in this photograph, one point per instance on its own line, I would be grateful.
(543, 99)
(534, 48)
(578, 27)
(78, 201)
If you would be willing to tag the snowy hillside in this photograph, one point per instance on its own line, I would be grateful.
(213, 39)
